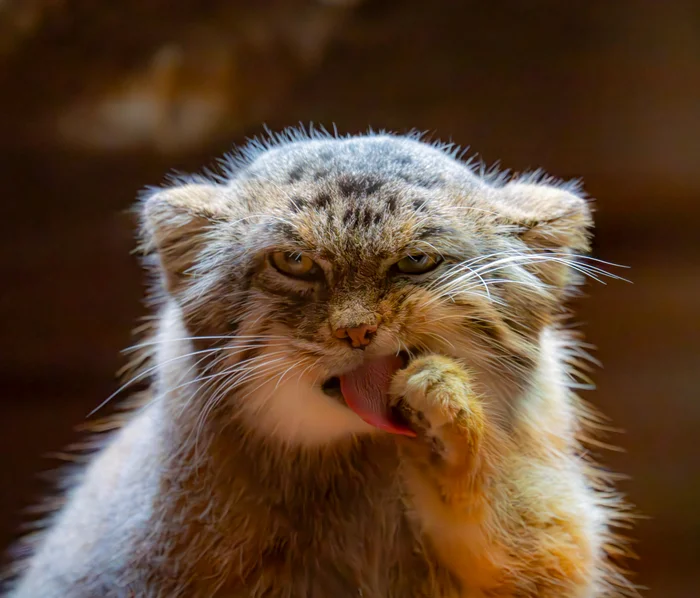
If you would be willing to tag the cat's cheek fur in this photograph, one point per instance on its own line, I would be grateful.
(293, 409)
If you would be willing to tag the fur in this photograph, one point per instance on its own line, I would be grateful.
(239, 477)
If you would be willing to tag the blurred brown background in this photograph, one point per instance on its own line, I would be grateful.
(101, 99)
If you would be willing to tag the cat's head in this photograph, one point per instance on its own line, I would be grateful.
(313, 256)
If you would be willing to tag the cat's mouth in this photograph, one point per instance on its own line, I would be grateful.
(365, 391)
(331, 387)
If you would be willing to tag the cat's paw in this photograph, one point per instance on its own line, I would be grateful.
(431, 392)
(434, 394)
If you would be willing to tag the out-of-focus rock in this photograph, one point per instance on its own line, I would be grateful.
(175, 102)
(197, 75)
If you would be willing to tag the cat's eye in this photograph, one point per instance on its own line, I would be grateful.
(417, 264)
(296, 264)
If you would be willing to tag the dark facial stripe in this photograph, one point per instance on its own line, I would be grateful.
(322, 201)
(419, 205)
(350, 217)
(367, 217)
(296, 173)
(358, 186)
(297, 204)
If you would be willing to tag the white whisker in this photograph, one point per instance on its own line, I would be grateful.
(154, 342)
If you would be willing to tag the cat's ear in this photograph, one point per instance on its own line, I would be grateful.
(550, 220)
(176, 222)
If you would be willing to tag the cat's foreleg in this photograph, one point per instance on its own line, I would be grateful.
(469, 492)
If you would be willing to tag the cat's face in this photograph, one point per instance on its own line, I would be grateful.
(317, 256)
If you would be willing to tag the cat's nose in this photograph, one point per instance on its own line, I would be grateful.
(359, 336)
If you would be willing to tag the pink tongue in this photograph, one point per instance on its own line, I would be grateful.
(365, 391)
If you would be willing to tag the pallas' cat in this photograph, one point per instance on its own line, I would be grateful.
(361, 386)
